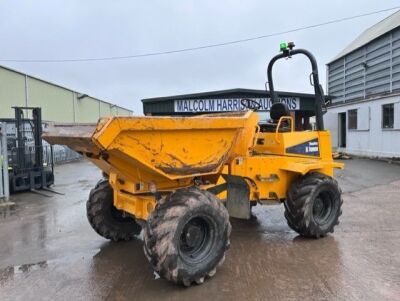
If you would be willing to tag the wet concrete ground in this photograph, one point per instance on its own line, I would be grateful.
(49, 252)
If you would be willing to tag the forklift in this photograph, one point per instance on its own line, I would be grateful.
(30, 162)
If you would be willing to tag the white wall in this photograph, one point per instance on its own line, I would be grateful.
(369, 139)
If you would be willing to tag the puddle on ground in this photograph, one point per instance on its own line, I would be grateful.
(7, 210)
(11, 272)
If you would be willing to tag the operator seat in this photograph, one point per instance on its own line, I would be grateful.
(277, 111)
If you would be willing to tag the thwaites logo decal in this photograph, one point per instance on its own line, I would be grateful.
(308, 148)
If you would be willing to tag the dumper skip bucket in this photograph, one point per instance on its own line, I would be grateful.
(171, 147)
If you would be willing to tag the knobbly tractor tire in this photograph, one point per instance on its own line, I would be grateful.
(107, 220)
(313, 205)
(186, 236)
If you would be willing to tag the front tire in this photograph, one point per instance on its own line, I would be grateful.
(107, 220)
(313, 205)
(186, 237)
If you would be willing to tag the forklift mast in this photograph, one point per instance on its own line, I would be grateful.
(36, 133)
(29, 171)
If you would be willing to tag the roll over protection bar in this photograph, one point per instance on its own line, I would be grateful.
(318, 91)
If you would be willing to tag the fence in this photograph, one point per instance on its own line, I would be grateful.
(63, 154)
(52, 154)
(4, 184)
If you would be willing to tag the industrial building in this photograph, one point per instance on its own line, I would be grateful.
(301, 104)
(58, 103)
(27, 162)
(364, 83)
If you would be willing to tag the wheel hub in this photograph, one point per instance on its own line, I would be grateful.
(322, 208)
(193, 235)
(194, 240)
(318, 206)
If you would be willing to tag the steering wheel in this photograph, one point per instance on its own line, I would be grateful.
(250, 104)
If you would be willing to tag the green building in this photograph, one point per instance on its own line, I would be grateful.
(58, 103)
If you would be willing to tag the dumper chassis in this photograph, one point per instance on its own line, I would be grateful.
(178, 180)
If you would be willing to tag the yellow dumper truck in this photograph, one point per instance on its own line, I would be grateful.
(179, 179)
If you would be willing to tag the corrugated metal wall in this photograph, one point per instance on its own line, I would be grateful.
(58, 103)
(371, 70)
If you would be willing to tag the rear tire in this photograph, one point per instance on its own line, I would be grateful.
(107, 220)
(313, 205)
(186, 237)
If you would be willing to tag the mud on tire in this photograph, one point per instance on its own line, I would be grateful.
(105, 219)
(313, 205)
(186, 237)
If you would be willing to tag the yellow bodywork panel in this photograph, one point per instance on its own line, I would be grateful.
(175, 152)
(272, 175)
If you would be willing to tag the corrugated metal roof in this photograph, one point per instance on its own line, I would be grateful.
(375, 31)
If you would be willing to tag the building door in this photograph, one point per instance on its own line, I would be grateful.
(342, 129)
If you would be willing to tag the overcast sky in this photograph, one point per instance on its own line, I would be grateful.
(74, 29)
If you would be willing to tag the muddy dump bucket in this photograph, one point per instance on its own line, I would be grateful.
(76, 136)
(171, 147)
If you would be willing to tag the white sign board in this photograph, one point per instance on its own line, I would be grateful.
(229, 104)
